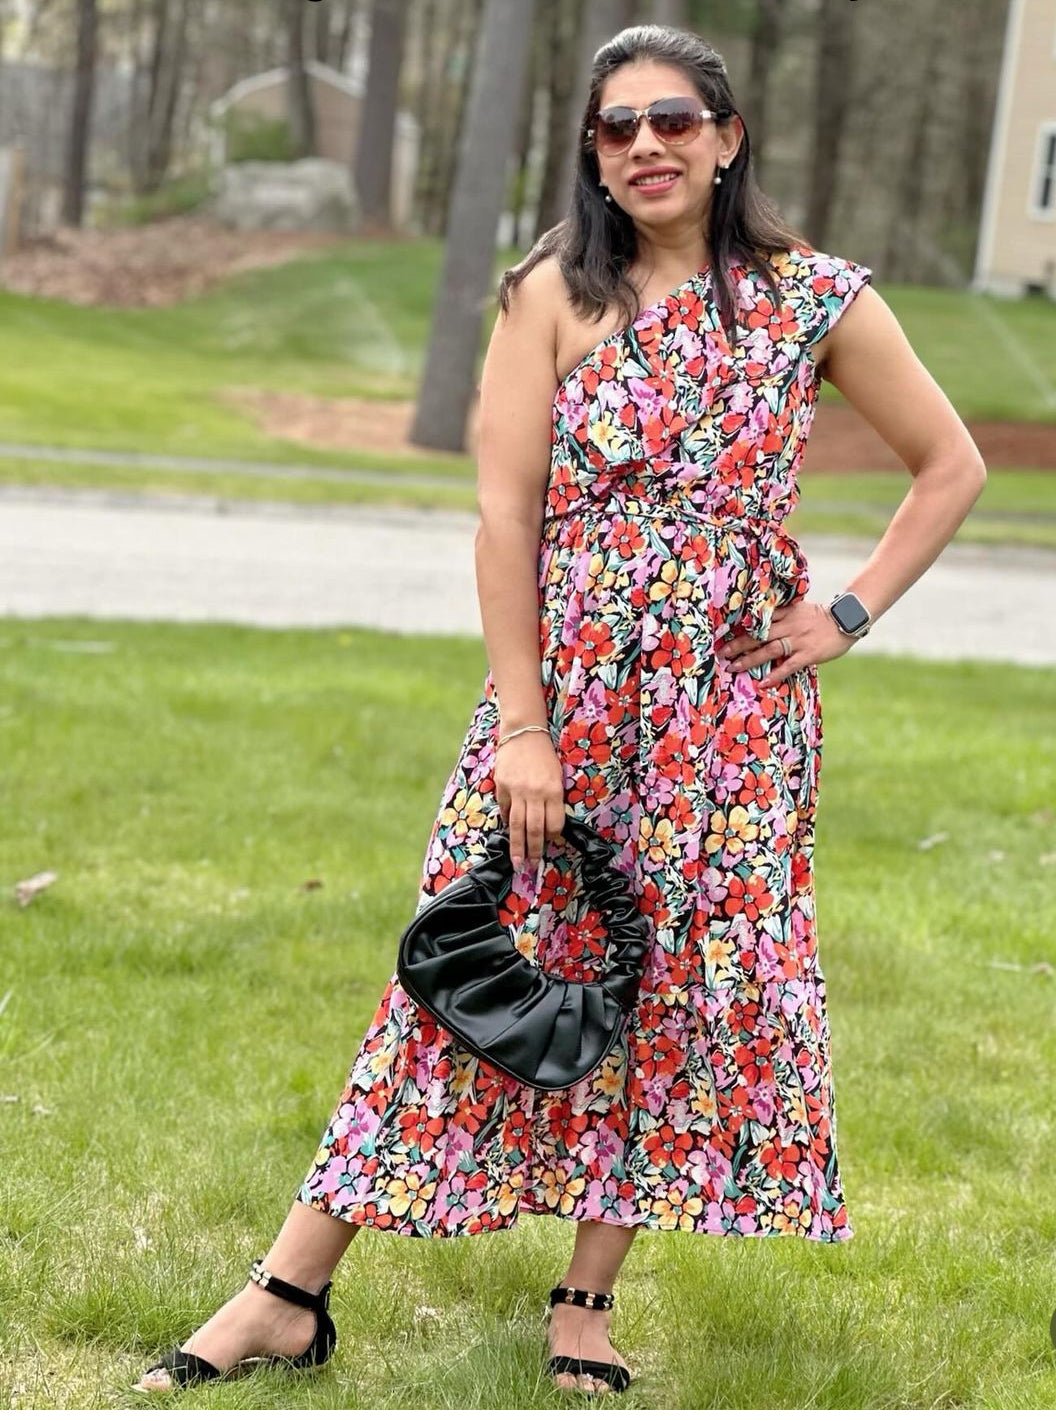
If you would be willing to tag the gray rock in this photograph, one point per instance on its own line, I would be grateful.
(310, 195)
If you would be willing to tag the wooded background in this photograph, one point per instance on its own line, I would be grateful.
(870, 123)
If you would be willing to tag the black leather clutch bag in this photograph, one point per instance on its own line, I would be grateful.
(459, 962)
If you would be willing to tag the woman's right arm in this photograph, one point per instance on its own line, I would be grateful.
(517, 388)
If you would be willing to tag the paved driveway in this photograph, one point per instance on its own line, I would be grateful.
(197, 559)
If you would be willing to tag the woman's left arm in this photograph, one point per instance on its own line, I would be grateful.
(871, 362)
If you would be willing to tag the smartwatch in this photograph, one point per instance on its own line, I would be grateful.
(850, 614)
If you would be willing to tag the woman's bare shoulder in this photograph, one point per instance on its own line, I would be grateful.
(543, 288)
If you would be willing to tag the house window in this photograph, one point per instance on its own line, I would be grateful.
(1043, 188)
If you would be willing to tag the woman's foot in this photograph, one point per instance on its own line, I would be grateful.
(581, 1332)
(253, 1323)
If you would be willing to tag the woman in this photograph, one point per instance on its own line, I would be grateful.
(653, 669)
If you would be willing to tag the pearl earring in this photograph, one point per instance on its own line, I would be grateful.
(718, 177)
(608, 195)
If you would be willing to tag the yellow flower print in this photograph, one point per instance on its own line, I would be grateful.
(673, 996)
(561, 1193)
(731, 832)
(717, 953)
(805, 1215)
(526, 944)
(462, 1076)
(670, 583)
(509, 1192)
(702, 1102)
(408, 1194)
(322, 1155)
(466, 811)
(676, 1213)
(797, 1109)
(691, 1208)
(600, 577)
(603, 431)
(658, 839)
(551, 1192)
(570, 1192)
(609, 1081)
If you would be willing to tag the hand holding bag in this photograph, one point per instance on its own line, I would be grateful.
(458, 961)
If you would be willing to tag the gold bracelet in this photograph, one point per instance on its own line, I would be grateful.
(510, 734)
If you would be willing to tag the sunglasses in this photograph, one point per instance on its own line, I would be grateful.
(673, 121)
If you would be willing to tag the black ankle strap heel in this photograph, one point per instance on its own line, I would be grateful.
(617, 1376)
(186, 1369)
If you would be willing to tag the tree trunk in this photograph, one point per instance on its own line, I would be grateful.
(460, 60)
(523, 172)
(300, 107)
(480, 187)
(564, 21)
(904, 248)
(372, 169)
(321, 37)
(155, 109)
(832, 97)
(765, 46)
(425, 112)
(77, 152)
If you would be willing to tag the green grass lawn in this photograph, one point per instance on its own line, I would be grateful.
(353, 320)
(349, 320)
(177, 1014)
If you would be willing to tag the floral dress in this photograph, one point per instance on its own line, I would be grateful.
(674, 461)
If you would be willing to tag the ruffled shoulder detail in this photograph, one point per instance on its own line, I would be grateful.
(820, 287)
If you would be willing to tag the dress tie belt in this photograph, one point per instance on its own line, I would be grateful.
(629, 505)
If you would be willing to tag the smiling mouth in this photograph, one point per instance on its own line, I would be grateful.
(658, 181)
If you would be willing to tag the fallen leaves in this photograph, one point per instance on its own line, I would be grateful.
(31, 888)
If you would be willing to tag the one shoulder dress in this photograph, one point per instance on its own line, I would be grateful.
(673, 469)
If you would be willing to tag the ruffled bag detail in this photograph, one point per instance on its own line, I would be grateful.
(458, 961)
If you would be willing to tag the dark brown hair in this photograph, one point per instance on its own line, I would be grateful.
(596, 242)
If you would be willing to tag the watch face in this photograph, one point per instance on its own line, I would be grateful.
(850, 612)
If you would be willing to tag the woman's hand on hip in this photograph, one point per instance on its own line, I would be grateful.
(813, 637)
(530, 791)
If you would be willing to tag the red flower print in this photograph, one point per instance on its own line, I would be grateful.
(514, 909)
(781, 1161)
(415, 1126)
(595, 643)
(516, 1131)
(757, 788)
(674, 650)
(561, 494)
(556, 888)
(585, 744)
(668, 1146)
(742, 1018)
(469, 1114)
(626, 538)
(587, 937)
